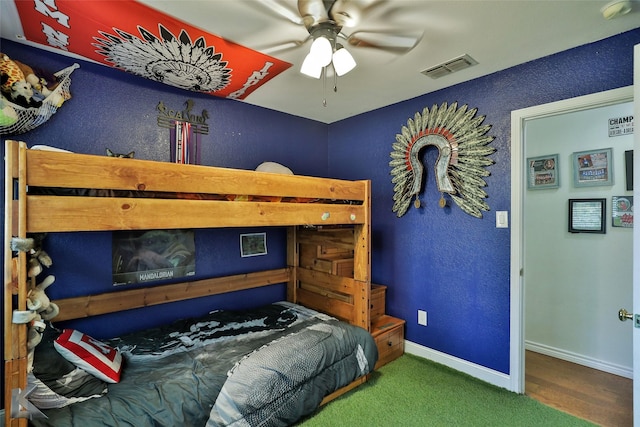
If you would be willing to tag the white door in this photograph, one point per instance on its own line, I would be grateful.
(636, 242)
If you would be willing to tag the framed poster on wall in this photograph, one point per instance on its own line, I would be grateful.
(587, 215)
(542, 172)
(622, 211)
(253, 244)
(152, 255)
(593, 167)
(628, 162)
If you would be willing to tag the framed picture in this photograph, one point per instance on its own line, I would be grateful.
(542, 172)
(591, 168)
(628, 161)
(152, 255)
(587, 215)
(253, 244)
(622, 211)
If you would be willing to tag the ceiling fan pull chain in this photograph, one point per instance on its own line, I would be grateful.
(324, 86)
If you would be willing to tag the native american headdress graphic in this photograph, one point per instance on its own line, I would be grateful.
(137, 38)
(176, 61)
(460, 168)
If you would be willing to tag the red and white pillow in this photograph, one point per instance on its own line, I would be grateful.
(93, 356)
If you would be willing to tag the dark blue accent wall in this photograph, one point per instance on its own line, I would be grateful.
(111, 108)
(452, 265)
(441, 260)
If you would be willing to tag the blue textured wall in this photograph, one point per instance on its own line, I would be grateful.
(452, 265)
(444, 261)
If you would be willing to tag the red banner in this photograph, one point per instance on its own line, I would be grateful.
(141, 40)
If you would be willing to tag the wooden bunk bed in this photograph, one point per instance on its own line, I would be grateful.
(307, 208)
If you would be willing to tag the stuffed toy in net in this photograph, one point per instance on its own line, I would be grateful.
(28, 100)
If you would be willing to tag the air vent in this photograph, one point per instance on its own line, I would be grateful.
(451, 66)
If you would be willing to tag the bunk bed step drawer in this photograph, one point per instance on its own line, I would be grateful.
(378, 296)
(388, 333)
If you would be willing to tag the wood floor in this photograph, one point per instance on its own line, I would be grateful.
(593, 395)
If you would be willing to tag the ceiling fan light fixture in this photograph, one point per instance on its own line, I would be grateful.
(310, 67)
(343, 62)
(322, 51)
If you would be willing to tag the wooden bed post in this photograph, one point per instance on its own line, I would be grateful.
(15, 281)
(362, 263)
(293, 262)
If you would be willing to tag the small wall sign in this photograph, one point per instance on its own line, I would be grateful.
(619, 126)
(185, 126)
(167, 117)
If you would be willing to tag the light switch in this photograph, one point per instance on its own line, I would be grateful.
(502, 219)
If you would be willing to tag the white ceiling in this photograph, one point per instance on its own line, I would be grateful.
(497, 34)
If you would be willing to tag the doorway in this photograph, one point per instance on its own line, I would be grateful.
(519, 195)
(575, 282)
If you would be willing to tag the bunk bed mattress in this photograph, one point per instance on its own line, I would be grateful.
(267, 367)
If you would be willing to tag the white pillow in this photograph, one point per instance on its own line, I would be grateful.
(273, 167)
(93, 356)
(49, 148)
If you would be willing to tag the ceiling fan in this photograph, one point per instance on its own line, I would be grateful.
(330, 23)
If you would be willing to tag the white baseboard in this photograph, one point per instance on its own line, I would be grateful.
(612, 368)
(485, 374)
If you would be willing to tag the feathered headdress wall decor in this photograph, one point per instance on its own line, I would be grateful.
(460, 168)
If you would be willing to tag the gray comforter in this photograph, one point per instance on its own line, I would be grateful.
(269, 367)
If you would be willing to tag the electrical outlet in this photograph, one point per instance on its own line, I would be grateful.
(422, 317)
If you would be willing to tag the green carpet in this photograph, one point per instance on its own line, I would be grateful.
(412, 391)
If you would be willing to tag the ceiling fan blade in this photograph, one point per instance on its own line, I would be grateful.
(391, 41)
(312, 12)
(348, 13)
(282, 10)
(282, 47)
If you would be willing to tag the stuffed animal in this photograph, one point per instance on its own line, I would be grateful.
(14, 85)
(38, 301)
(8, 115)
(38, 258)
(37, 82)
(34, 334)
(34, 337)
(23, 95)
(9, 72)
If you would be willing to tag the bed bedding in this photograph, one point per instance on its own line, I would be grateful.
(265, 367)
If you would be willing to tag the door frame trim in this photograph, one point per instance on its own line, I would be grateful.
(518, 120)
